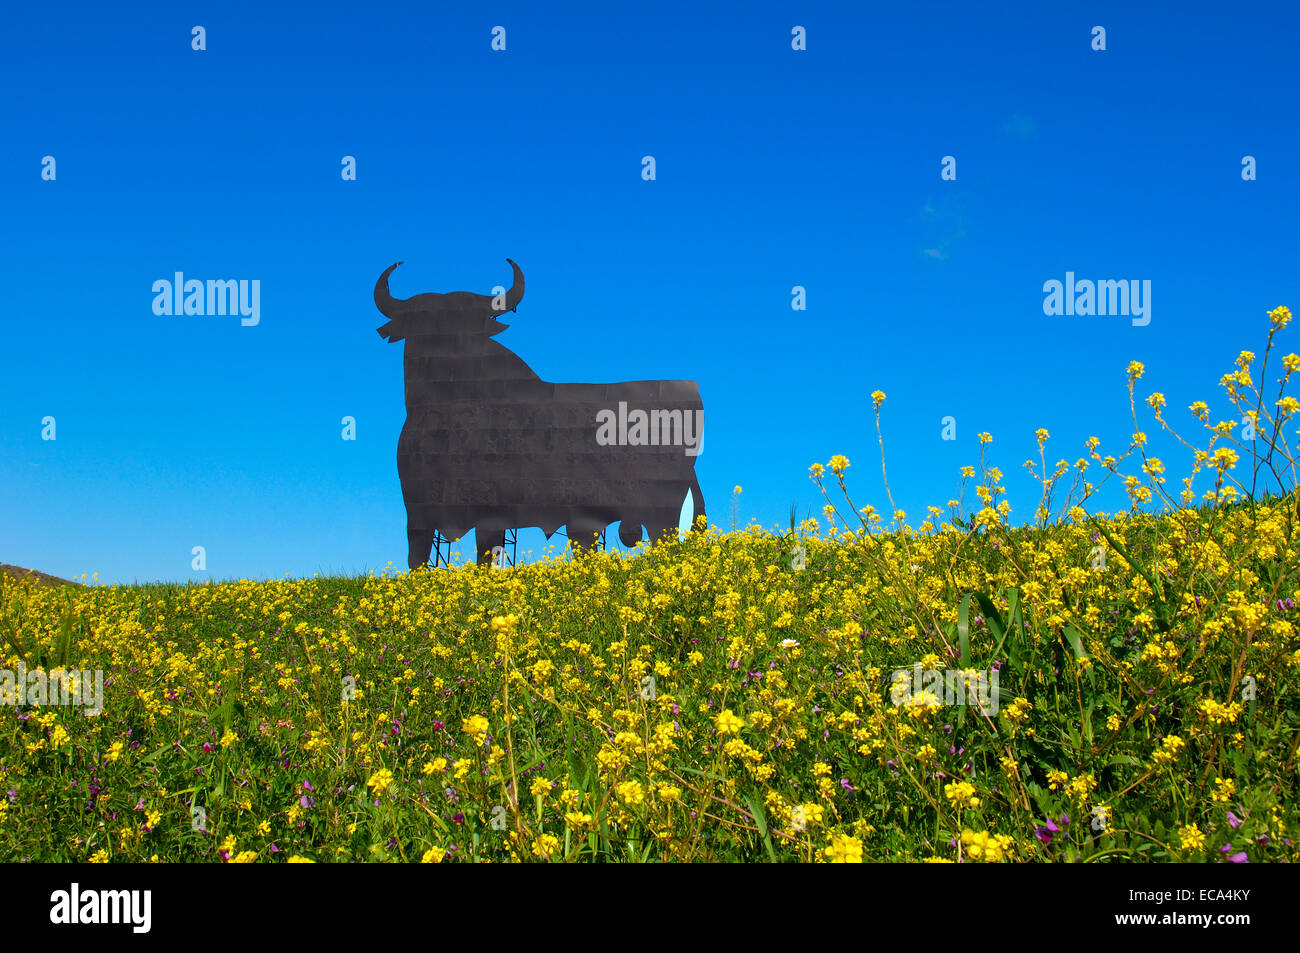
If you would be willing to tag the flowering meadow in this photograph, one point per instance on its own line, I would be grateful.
(726, 697)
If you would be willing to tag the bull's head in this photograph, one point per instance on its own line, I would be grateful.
(453, 313)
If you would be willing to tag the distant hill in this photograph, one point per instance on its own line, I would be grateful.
(18, 572)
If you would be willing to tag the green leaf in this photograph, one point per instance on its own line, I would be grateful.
(760, 819)
(1015, 619)
(997, 626)
(963, 629)
(1076, 643)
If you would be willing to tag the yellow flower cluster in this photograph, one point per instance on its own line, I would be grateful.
(985, 847)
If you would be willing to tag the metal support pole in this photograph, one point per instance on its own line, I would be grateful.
(441, 550)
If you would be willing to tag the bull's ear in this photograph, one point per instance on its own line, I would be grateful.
(390, 333)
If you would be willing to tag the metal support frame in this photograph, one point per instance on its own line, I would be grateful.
(512, 547)
(441, 550)
(441, 553)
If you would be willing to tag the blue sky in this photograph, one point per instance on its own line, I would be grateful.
(775, 168)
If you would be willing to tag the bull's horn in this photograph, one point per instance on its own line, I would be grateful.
(384, 301)
(516, 292)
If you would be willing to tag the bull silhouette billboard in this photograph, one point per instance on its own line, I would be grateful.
(490, 446)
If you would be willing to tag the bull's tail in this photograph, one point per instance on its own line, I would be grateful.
(697, 500)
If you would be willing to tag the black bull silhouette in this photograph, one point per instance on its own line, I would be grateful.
(490, 446)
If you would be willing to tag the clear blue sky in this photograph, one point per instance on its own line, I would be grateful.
(775, 168)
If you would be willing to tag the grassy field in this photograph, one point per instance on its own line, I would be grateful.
(729, 697)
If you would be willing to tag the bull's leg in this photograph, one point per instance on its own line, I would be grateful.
(582, 535)
(486, 541)
(419, 545)
(629, 531)
(662, 525)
